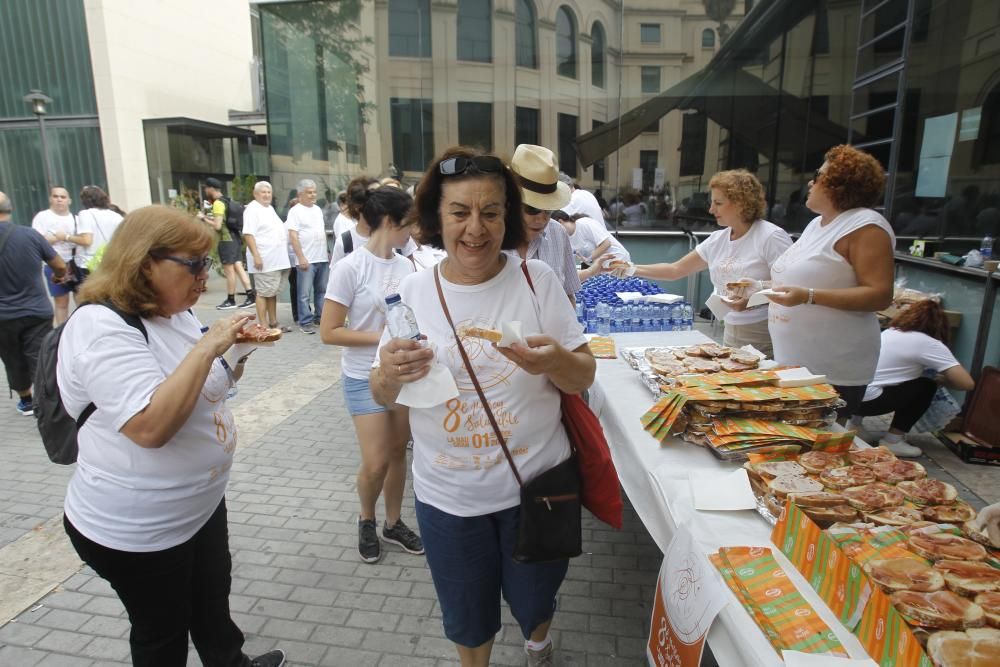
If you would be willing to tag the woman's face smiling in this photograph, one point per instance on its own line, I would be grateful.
(472, 214)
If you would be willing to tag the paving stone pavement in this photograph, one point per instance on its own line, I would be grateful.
(297, 581)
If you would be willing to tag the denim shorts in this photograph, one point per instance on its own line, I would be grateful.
(358, 397)
(55, 289)
(471, 565)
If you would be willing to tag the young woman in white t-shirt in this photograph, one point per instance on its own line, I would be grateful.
(353, 317)
(915, 341)
(745, 247)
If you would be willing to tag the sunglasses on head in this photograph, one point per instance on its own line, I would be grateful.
(195, 266)
(454, 166)
(531, 210)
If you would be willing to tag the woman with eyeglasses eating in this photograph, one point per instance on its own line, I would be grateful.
(146, 506)
(467, 495)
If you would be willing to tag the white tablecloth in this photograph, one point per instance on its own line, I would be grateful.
(655, 478)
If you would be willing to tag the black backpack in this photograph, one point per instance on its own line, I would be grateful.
(57, 427)
(234, 217)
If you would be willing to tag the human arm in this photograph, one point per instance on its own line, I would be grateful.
(332, 329)
(58, 266)
(293, 237)
(572, 371)
(599, 251)
(400, 361)
(989, 520)
(173, 401)
(956, 378)
(869, 252)
(258, 262)
(685, 266)
(83, 239)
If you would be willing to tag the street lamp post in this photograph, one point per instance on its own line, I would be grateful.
(37, 99)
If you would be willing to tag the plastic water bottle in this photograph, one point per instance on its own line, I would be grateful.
(986, 247)
(616, 320)
(579, 312)
(661, 315)
(676, 318)
(400, 319)
(603, 319)
(637, 317)
(688, 317)
(591, 319)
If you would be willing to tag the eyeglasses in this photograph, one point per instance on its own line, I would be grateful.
(195, 266)
(531, 210)
(454, 166)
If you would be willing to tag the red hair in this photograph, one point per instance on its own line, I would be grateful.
(927, 317)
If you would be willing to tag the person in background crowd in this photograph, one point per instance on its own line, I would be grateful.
(391, 182)
(833, 279)
(230, 246)
(357, 193)
(634, 213)
(916, 341)
(343, 221)
(744, 248)
(146, 505)
(293, 260)
(312, 261)
(581, 202)
(541, 193)
(267, 253)
(467, 500)
(25, 311)
(62, 229)
(98, 216)
(592, 243)
(354, 317)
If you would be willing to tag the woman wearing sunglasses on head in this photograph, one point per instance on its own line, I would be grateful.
(146, 507)
(467, 495)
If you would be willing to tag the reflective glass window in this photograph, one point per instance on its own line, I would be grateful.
(475, 30)
(410, 28)
(598, 44)
(650, 75)
(412, 133)
(525, 34)
(707, 38)
(526, 126)
(475, 124)
(649, 33)
(569, 127)
(566, 42)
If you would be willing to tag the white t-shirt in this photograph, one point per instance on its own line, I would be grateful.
(361, 282)
(843, 345)
(750, 256)
(904, 356)
(124, 496)
(48, 222)
(635, 214)
(458, 466)
(425, 256)
(342, 223)
(102, 223)
(360, 241)
(582, 201)
(589, 234)
(269, 233)
(307, 221)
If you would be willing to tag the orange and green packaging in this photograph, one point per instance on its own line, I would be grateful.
(887, 637)
(789, 621)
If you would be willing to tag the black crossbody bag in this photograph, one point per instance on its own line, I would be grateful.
(549, 528)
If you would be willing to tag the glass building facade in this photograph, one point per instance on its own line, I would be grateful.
(645, 99)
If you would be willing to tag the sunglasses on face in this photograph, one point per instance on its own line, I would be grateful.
(454, 166)
(195, 266)
(531, 210)
(816, 175)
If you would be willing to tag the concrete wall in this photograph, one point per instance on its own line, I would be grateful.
(163, 58)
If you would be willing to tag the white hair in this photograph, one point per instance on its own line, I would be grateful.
(260, 185)
(305, 183)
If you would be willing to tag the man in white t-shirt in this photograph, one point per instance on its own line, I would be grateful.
(592, 243)
(581, 201)
(69, 236)
(267, 252)
(307, 237)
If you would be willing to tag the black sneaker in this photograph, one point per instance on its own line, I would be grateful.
(250, 300)
(369, 548)
(275, 658)
(401, 534)
(228, 304)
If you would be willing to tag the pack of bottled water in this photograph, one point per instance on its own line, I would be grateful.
(602, 312)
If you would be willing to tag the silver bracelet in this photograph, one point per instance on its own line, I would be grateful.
(812, 296)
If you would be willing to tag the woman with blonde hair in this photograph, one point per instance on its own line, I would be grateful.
(744, 248)
(146, 506)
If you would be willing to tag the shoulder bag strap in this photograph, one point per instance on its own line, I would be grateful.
(6, 234)
(475, 380)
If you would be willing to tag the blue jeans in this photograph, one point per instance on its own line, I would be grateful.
(471, 565)
(310, 290)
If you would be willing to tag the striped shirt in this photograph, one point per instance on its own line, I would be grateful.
(552, 246)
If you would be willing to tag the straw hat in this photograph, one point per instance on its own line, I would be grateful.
(536, 169)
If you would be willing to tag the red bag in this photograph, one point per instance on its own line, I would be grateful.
(601, 490)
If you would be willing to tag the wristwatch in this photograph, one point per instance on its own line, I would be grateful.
(812, 296)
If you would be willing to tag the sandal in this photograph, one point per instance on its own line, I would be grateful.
(284, 329)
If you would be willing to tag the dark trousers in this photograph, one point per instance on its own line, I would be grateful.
(20, 340)
(173, 592)
(852, 395)
(293, 292)
(908, 401)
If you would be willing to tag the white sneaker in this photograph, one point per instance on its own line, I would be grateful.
(902, 449)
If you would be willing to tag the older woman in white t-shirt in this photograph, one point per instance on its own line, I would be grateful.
(267, 252)
(467, 497)
(835, 277)
(744, 248)
(353, 317)
(146, 506)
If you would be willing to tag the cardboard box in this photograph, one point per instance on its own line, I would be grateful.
(970, 451)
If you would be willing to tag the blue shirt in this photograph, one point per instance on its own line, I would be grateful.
(22, 287)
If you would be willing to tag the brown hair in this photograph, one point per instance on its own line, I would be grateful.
(926, 316)
(92, 196)
(425, 214)
(743, 189)
(853, 178)
(121, 277)
(357, 194)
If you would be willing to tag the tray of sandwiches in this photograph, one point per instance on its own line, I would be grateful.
(736, 414)
(660, 367)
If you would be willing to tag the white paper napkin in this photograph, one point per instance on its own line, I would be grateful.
(718, 306)
(729, 491)
(798, 377)
(760, 298)
(433, 389)
(798, 659)
(512, 333)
